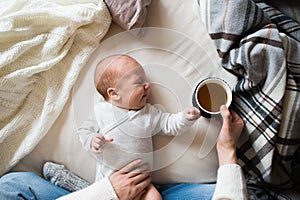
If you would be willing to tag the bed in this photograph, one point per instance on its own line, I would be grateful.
(176, 52)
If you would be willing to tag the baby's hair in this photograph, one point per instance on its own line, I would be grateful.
(106, 74)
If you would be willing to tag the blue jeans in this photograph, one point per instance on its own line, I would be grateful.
(27, 185)
(187, 191)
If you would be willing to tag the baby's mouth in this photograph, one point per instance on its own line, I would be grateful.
(145, 96)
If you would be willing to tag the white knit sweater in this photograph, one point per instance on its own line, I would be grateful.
(43, 45)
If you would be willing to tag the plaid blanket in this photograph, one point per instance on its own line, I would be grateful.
(261, 46)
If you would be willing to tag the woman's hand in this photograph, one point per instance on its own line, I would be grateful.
(230, 132)
(131, 181)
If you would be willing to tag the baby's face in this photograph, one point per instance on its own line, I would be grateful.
(133, 89)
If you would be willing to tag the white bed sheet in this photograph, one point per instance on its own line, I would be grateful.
(176, 53)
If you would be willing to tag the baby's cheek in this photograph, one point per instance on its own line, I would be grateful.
(135, 99)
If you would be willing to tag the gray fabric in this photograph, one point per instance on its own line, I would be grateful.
(261, 46)
(62, 177)
(130, 14)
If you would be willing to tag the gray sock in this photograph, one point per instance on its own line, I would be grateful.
(62, 177)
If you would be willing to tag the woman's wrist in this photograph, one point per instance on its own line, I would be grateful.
(226, 155)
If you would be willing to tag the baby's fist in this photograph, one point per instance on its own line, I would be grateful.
(98, 142)
(192, 113)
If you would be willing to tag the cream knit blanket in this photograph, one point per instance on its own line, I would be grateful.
(43, 47)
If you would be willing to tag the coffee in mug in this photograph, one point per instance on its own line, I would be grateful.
(210, 94)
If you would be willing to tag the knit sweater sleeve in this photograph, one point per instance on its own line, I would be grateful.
(101, 190)
(230, 183)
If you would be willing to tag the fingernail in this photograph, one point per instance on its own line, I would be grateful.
(223, 107)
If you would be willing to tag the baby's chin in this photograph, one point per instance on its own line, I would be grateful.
(137, 107)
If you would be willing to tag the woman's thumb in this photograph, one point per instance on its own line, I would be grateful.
(225, 113)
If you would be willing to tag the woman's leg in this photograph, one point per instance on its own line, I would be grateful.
(28, 185)
(187, 191)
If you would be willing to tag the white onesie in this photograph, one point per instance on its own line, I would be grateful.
(131, 131)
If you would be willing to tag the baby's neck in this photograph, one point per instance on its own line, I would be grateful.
(118, 106)
(121, 107)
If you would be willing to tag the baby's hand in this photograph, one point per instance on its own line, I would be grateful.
(192, 113)
(98, 142)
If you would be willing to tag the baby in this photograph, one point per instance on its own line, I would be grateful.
(120, 129)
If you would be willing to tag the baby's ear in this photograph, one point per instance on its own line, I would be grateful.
(113, 94)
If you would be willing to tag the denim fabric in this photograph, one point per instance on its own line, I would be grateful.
(187, 191)
(29, 186)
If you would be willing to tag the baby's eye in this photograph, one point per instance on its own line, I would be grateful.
(139, 82)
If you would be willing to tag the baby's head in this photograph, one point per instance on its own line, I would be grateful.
(122, 81)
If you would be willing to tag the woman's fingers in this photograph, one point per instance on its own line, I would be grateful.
(130, 182)
(141, 169)
(142, 180)
(135, 171)
(225, 114)
(130, 166)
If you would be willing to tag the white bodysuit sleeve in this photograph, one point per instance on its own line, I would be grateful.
(87, 130)
(170, 124)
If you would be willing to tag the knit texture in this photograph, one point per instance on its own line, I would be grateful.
(59, 175)
(43, 47)
(260, 45)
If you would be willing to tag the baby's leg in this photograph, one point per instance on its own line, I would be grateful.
(151, 194)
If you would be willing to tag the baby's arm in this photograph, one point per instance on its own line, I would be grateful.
(89, 135)
(173, 124)
(192, 113)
